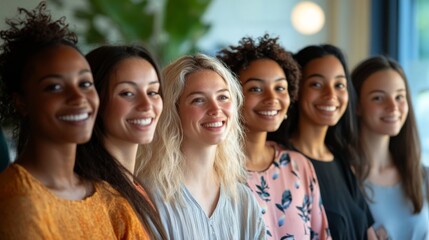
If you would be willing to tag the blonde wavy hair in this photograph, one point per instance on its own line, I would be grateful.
(162, 162)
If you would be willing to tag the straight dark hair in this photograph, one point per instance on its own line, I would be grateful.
(93, 160)
(341, 139)
(404, 147)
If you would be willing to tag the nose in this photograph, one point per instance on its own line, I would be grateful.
(391, 104)
(76, 96)
(214, 108)
(329, 92)
(270, 97)
(143, 103)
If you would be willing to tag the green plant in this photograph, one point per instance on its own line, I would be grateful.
(170, 28)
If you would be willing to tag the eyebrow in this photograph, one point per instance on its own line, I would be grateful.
(321, 76)
(202, 93)
(135, 84)
(262, 80)
(81, 72)
(381, 91)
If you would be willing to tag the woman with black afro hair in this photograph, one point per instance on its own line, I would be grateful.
(47, 92)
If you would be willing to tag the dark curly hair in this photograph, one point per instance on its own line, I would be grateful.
(26, 37)
(238, 58)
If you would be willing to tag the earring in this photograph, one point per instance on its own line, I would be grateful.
(285, 116)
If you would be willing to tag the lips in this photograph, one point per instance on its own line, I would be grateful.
(213, 124)
(268, 113)
(326, 108)
(74, 117)
(140, 121)
(390, 119)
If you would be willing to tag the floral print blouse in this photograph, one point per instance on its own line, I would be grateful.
(289, 195)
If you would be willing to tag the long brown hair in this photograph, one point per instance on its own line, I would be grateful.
(93, 161)
(404, 147)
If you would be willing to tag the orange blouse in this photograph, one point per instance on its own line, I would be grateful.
(29, 210)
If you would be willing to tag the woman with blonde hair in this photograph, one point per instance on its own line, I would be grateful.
(194, 166)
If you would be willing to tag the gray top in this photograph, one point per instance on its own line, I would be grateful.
(233, 220)
(391, 209)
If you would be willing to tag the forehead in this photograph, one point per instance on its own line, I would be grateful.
(262, 69)
(203, 80)
(59, 59)
(326, 65)
(387, 80)
(134, 69)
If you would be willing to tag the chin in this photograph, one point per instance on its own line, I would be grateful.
(145, 141)
(83, 140)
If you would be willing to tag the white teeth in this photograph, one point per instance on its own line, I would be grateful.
(268, 113)
(141, 122)
(74, 118)
(213, 125)
(327, 108)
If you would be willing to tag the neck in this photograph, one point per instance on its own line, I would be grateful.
(200, 177)
(259, 155)
(50, 163)
(310, 140)
(376, 147)
(382, 172)
(124, 152)
(199, 163)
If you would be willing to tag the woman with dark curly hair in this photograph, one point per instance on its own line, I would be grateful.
(47, 92)
(323, 128)
(283, 181)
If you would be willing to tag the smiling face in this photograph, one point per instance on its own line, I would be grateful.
(266, 97)
(134, 103)
(205, 108)
(383, 106)
(59, 98)
(323, 94)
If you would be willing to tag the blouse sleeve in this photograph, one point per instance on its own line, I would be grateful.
(20, 221)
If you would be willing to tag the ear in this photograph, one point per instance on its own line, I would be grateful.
(20, 104)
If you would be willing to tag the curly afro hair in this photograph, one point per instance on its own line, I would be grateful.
(29, 33)
(238, 58)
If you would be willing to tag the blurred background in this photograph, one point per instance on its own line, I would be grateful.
(170, 28)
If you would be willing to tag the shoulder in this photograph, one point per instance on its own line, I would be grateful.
(15, 181)
(245, 198)
(298, 161)
(107, 194)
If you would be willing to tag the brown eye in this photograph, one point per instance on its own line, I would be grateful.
(53, 88)
(86, 84)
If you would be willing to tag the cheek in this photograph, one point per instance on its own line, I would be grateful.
(345, 97)
(249, 103)
(285, 100)
(405, 110)
(188, 115)
(115, 108)
(228, 109)
(158, 107)
(93, 99)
